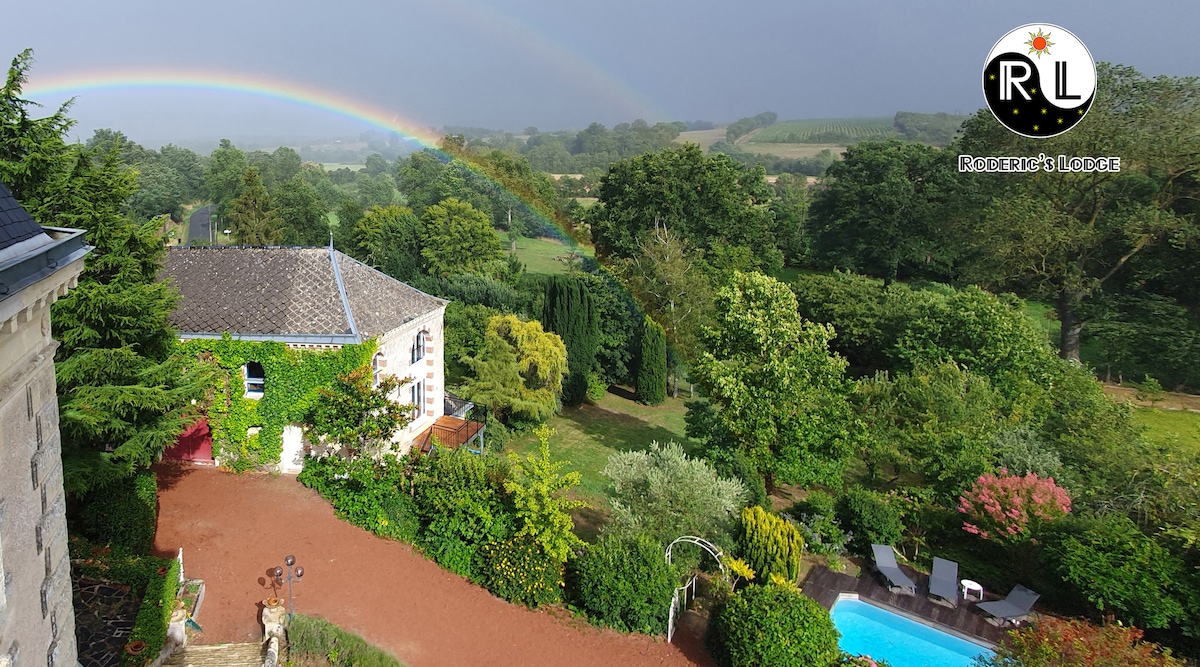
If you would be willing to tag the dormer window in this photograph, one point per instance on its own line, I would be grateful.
(255, 379)
(419, 347)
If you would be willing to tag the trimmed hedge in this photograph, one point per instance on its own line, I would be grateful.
(155, 613)
(624, 583)
(123, 514)
(772, 625)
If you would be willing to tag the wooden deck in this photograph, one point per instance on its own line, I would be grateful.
(824, 585)
(450, 432)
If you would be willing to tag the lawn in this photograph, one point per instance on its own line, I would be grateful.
(1043, 317)
(541, 255)
(587, 435)
(1167, 425)
(788, 150)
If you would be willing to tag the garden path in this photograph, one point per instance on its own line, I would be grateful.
(233, 529)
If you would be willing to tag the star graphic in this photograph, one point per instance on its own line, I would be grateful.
(1081, 112)
(1035, 128)
(1043, 112)
(1060, 121)
(992, 77)
(1015, 111)
(1033, 90)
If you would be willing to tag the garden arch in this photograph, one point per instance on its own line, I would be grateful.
(682, 592)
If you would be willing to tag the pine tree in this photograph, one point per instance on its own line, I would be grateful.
(252, 219)
(569, 312)
(125, 393)
(652, 365)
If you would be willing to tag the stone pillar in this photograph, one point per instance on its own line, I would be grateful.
(274, 619)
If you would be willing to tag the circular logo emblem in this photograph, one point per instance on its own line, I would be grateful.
(1039, 80)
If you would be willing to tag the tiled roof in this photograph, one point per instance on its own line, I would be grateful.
(16, 224)
(286, 291)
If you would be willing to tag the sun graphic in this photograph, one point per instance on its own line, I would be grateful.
(1039, 43)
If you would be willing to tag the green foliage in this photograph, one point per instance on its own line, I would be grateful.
(568, 310)
(663, 493)
(938, 129)
(518, 373)
(315, 641)
(869, 519)
(1112, 565)
(253, 221)
(123, 514)
(154, 614)
(461, 507)
(225, 175)
(743, 126)
(709, 201)
(294, 379)
(520, 570)
(596, 387)
(365, 491)
(356, 415)
(816, 518)
(1021, 450)
(623, 583)
(465, 326)
(778, 392)
(772, 625)
(303, 212)
(668, 276)
(457, 238)
(771, 545)
(1054, 642)
(536, 487)
(1150, 391)
(652, 364)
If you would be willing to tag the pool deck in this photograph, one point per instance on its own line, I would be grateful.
(825, 585)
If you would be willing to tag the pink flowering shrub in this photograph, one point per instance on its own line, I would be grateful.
(1010, 508)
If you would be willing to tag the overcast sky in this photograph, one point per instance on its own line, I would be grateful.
(508, 64)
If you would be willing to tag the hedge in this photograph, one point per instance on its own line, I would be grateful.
(123, 514)
(154, 615)
(315, 641)
(772, 625)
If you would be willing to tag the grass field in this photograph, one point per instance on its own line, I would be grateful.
(1167, 425)
(587, 435)
(814, 130)
(791, 150)
(540, 255)
(704, 138)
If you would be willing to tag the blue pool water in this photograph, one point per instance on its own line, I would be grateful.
(871, 631)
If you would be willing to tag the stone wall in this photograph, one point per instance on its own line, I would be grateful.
(37, 622)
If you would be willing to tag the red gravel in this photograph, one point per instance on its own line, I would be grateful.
(233, 529)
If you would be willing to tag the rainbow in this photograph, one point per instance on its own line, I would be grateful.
(294, 93)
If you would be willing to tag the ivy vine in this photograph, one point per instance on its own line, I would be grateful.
(292, 378)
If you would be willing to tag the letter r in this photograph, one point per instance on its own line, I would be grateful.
(1008, 81)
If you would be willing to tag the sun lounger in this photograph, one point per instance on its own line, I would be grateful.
(1013, 608)
(885, 562)
(943, 581)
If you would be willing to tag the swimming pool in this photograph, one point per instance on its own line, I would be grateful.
(872, 631)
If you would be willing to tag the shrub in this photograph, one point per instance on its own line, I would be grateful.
(664, 493)
(869, 520)
(123, 514)
(519, 570)
(1020, 450)
(357, 488)
(596, 387)
(1055, 642)
(816, 518)
(652, 364)
(772, 545)
(772, 625)
(1010, 508)
(399, 518)
(1111, 564)
(315, 642)
(624, 583)
(154, 615)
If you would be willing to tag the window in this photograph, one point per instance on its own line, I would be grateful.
(417, 393)
(419, 347)
(256, 382)
(378, 363)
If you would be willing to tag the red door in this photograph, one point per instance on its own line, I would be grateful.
(194, 444)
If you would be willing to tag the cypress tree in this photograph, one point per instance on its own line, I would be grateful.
(569, 312)
(652, 365)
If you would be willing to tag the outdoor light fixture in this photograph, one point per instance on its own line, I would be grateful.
(293, 575)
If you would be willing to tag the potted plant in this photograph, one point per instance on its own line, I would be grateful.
(135, 647)
(274, 602)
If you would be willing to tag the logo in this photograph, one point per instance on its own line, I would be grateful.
(1039, 80)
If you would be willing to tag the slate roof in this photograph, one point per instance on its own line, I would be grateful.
(282, 292)
(16, 224)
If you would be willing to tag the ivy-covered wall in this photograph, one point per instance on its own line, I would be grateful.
(292, 377)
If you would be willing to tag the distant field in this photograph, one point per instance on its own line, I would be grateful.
(704, 138)
(821, 130)
(334, 166)
(791, 150)
(542, 255)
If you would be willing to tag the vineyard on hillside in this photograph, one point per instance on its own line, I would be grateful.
(826, 131)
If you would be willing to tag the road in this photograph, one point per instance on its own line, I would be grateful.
(198, 225)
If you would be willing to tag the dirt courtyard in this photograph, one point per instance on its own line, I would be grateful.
(234, 529)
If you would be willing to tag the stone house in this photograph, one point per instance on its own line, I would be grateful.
(37, 265)
(322, 299)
